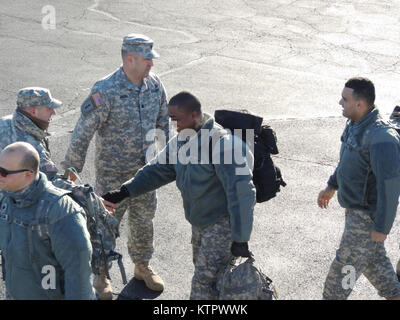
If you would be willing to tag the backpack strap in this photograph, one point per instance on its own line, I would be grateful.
(41, 224)
(43, 205)
(365, 146)
(213, 140)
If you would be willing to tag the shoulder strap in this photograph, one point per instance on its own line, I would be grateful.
(43, 232)
(41, 224)
(214, 139)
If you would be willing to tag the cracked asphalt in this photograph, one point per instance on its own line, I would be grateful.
(284, 60)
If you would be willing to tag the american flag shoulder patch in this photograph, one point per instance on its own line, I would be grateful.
(50, 167)
(97, 99)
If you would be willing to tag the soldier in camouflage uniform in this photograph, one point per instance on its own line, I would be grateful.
(367, 179)
(398, 270)
(29, 123)
(122, 109)
(218, 201)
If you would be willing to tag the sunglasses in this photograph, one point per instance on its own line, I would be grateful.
(5, 172)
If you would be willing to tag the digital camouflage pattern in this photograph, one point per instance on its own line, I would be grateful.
(244, 281)
(122, 116)
(36, 96)
(141, 212)
(103, 228)
(17, 127)
(211, 253)
(359, 253)
(140, 44)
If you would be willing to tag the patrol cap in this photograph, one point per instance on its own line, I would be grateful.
(140, 44)
(36, 96)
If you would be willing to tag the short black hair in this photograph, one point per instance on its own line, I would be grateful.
(363, 88)
(186, 102)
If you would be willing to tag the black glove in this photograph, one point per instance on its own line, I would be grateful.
(240, 249)
(116, 196)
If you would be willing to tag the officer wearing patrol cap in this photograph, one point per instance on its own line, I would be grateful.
(29, 123)
(122, 110)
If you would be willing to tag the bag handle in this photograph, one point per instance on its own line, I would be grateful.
(68, 172)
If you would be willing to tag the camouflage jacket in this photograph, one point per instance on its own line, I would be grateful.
(122, 115)
(17, 127)
(103, 228)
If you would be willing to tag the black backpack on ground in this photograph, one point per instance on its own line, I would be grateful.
(267, 177)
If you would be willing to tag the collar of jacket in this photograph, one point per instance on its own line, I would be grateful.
(209, 128)
(123, 79)
(25, 124)
(367, 120)
(30, 195)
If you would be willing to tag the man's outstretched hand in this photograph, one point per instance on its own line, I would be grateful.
(116, 196)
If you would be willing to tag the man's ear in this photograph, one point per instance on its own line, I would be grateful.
(362, 104)
(29, 174)
(31, 111)
(195, 114)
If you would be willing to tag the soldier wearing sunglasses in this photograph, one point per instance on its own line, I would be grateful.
(58, 268)
(29, 123)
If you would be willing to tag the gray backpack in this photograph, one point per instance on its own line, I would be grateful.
(244, 281)
(102, 226)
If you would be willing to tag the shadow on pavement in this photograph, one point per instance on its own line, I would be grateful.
(137, 290)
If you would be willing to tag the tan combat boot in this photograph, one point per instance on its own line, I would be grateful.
(152, 281)
(103, 287)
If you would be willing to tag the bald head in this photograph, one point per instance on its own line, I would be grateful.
(19, 164)
(24, 154)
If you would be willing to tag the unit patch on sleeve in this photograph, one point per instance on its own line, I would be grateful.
(92, 102)
(50, 167)
(97, 99)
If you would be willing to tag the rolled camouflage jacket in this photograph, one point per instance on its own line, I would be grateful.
(124, 118)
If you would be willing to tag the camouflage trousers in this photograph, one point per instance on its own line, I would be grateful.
(211, 253)
(141, 211)
(357, 255)
(398, 269)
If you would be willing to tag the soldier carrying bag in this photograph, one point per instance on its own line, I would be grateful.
(267, 177)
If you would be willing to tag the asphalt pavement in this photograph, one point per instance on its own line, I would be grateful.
(284, 60)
